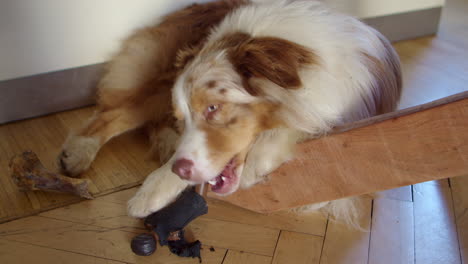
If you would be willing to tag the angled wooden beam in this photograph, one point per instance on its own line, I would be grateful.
(422, 143)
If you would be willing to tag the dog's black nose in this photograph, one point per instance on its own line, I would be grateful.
(183, 168)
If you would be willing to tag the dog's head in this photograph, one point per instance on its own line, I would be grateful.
(221, 101)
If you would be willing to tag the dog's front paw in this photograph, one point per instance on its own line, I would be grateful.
(146, 202)
(138, 206)
(159, 189)
(77, 154)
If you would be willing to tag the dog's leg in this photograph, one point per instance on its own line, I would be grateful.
(134, 89)
(164, 139)
(270, 150)
(162, 186)
(81, 147)
(159, 189)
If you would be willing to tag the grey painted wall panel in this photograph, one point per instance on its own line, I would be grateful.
(48, 93)
(407, 25)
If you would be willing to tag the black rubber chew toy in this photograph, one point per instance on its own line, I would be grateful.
(168, 224)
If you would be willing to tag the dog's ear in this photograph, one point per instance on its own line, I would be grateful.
(275, 59)
(185, 55)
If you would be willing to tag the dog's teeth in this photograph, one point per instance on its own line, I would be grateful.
(223, 178)
(212, 182)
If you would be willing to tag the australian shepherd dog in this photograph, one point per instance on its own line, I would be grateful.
(227, 89)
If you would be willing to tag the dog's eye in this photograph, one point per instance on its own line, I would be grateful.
(212, 108)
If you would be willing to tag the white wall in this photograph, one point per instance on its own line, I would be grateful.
(374, 8)
(38, 36)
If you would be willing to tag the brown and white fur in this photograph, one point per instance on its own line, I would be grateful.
(228, 88)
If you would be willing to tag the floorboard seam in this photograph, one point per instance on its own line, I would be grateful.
(370, 231)
(276, 245)
(225, 254)
(456, 223)
(323, 241)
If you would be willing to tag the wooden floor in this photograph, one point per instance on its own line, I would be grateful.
(413, 224)
(122, 163)
(424, 224)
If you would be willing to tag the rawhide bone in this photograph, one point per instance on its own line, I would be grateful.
(167, 226)
(29, 174)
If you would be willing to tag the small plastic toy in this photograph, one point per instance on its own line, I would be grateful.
(167, 226)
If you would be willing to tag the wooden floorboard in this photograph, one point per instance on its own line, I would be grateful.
(238, 257)
(298, 248)
(247, 238)
(459, 186)
(97, 213)
(396, 246)
(344, 244)
(17, 252)
(436, 239)
(404, 193)
(313, 223)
